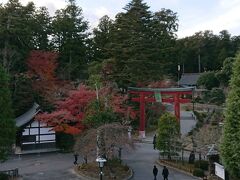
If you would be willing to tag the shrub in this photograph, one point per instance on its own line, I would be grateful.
(3, 176)
(198, 172)
(114, 161)
(208, 80)
(64, 141)
(217, 96)
(201, 164)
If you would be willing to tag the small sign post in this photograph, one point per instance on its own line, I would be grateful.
(219, 171)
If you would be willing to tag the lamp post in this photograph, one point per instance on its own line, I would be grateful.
(101, 162)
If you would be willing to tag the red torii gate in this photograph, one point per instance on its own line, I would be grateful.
(145, 95)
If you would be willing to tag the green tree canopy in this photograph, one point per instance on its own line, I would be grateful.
(225, 73)
(168, 134)
(208, 80)
(102, 39)
(16, 38)
(70, 38)
(230, 147)
(7, 124)
(139, 43)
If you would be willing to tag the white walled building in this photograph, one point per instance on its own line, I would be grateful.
(32, 134)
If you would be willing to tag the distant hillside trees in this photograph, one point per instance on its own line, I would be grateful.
(207, 48)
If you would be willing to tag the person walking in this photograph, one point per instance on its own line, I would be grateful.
(165, 173)
(75, 158)
(154, 141)
(155, 172)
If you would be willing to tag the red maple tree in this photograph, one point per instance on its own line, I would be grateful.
(41, 69)
(70, 112)
(118, 102)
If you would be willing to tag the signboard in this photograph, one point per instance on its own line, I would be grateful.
(219, 171)
(158, 97)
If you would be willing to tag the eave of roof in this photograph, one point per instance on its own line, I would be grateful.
(27, 116)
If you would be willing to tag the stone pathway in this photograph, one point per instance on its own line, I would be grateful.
(42, 167)
(144, 158)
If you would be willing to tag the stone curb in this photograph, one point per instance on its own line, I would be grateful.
(131, 174)
(176, 169)
(82, 176)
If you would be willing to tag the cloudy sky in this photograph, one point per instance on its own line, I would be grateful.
(193, 15)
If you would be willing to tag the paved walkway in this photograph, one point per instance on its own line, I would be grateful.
(188, 122)
(144, 158)
(42, 167)
(59, 166)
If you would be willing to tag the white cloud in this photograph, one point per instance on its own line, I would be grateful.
(52, 5)
(226, 17)
(228, 4)
(92, 15)
(100, 12)
(222, 14)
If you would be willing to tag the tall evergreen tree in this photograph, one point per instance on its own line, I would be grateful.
(230, 147)
(163, 37)
(130, 44)
(15, 34)
(7, 124)
(22, 94)
(224, 47)
(70, 38)
(135, 50)
(41, 29)
(102, 38)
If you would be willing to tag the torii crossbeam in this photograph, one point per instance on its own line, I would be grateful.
(147, 95)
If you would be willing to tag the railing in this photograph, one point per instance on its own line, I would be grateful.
(11, 173)
(183, 156)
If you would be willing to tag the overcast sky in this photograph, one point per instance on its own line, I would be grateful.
(193, 15)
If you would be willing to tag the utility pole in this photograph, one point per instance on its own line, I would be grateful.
(179, 68)
(199, 62)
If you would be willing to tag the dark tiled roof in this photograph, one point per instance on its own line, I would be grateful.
(27, 116)
(189, 79)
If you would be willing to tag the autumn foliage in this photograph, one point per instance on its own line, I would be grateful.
(70, 112)
(41, 69)
(118, 102)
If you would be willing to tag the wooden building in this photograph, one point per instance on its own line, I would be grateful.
(32, 134)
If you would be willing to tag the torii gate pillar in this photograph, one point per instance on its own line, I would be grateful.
(146, 95)
(142, 116)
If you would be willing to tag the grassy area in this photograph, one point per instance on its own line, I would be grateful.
(112, 170)
(179, 165)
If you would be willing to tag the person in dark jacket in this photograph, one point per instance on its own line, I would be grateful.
(154, 141)
(165, 173)
(155, 172)
(75, 158)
